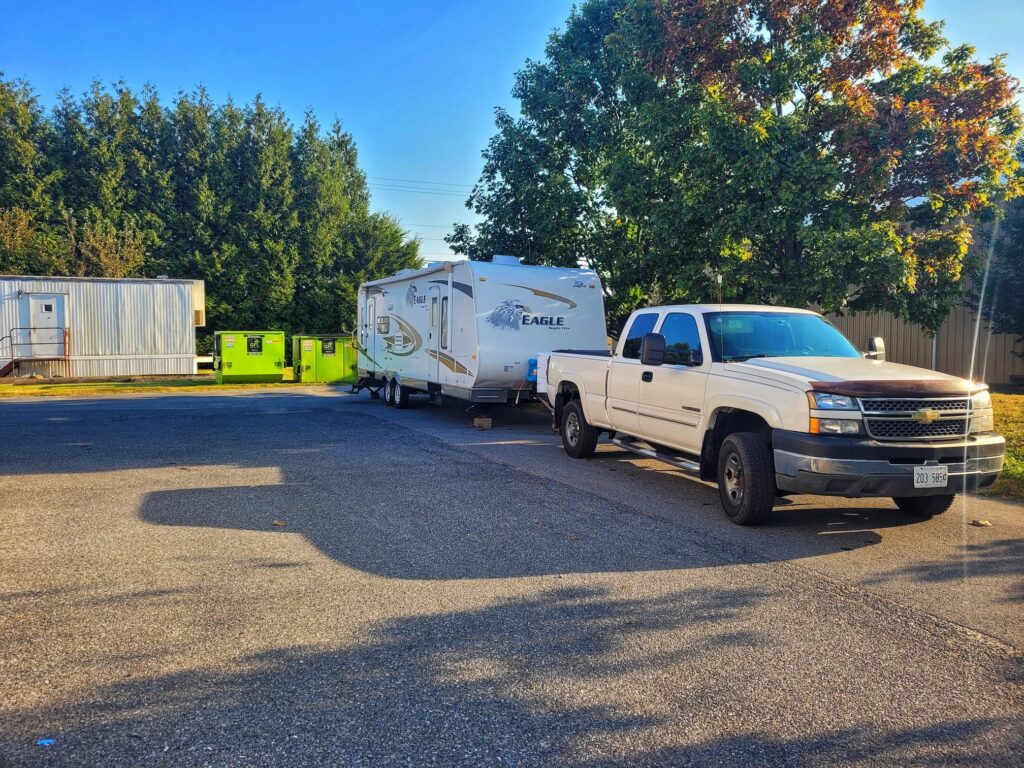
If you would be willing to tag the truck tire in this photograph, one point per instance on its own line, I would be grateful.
(746, 479)
(925, 506)
(578, 438)
(389, 392)
(400, 395)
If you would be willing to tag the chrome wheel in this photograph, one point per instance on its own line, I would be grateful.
(572, 429)
(734, 479)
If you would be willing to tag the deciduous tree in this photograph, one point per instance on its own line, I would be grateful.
(812, 152)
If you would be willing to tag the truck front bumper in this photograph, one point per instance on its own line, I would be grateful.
(857, 466)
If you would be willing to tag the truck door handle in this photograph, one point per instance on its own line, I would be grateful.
(647, 376)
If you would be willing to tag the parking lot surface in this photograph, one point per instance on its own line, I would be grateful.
(310, 578)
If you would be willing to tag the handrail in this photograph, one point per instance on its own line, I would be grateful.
(64, 345)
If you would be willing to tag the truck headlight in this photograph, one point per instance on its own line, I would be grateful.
(835, 426)
(982, 421)
(981, 412)
(827, 402)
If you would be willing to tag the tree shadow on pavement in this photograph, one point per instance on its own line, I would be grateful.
(387, 499)
(555, 678)
(1002, 558)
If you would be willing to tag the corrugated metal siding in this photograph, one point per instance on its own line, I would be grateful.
(907, 343)
(117, 327)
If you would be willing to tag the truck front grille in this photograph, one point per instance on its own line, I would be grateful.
(908, 429)
(919, 418)
(910, 406)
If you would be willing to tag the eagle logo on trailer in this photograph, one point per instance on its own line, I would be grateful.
(414, 297)
(508, 315)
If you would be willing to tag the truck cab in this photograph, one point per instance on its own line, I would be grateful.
(770, 401)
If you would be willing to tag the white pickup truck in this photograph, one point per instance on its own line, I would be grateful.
(772, 401)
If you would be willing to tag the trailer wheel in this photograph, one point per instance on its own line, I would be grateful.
(399, 395)
(578, 437)
(746, 480)
(389, 392)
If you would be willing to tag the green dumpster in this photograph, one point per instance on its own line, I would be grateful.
(248, 356)
(324, 359)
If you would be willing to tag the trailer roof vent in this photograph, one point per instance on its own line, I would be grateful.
(405, 272)
(508, 261)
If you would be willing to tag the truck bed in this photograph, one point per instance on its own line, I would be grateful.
(588, 352)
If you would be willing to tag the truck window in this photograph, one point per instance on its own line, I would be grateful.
(640, 327)
(680, 332)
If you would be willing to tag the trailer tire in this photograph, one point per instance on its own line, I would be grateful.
(746, 479)
(578, 437)
(400, 395)
(924, 506)
(389, 392)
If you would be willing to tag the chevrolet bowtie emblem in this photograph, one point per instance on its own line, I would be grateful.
(926, 416)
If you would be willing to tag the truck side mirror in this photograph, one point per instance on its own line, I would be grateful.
(876, 348)
(652, 350)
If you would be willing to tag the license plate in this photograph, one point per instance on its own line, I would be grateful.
(931, 477)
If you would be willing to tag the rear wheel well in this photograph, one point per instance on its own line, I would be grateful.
(725, 422)
(566, 391)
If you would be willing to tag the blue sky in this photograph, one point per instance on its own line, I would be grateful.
(415, 83)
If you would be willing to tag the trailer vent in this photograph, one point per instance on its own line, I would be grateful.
(508, 261)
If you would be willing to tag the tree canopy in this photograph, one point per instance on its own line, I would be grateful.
(1002, 304)
(811, 152)
(275, 218)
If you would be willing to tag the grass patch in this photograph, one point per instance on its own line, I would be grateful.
(1009, 410)
(14, 388)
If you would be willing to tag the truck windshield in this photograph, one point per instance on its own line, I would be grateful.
(738, 336)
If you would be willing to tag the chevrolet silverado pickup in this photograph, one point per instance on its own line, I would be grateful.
(770, 401)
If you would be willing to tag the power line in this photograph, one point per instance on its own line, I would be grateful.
(382, 188)
(415, 181)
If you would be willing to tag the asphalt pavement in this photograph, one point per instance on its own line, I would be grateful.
(303, 577)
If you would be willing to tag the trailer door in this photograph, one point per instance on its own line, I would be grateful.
(434, 336)
(46, 327)
(371, 333)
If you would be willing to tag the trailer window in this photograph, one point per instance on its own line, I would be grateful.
(641, 326)
(444, 323)
(384, 324)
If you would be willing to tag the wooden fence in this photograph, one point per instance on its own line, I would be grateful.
(995, 362)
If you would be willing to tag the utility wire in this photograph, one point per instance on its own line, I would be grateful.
(415, 181)
(382, 188)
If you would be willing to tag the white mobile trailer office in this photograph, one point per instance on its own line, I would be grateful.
(468, 329)
(80, 326)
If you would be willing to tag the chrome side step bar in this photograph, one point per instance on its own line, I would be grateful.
(643, 449)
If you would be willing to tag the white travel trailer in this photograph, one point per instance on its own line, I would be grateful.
(470, 329)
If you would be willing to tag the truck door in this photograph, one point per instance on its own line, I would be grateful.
(624, 375)
(672, 395)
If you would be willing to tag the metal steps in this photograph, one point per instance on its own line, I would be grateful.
(677, 460)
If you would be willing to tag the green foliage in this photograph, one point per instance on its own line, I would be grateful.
(1003, 303)
(809, 153)
(275, 219)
